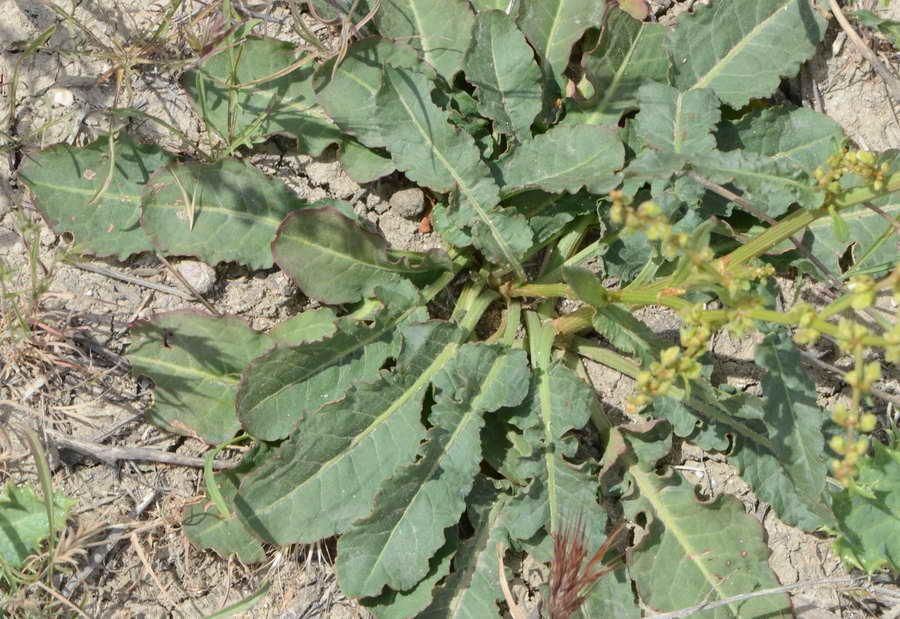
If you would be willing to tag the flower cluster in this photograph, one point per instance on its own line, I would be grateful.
(648, 218)
(658, 380)
(860, 162)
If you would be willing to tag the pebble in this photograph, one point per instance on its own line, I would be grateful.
(198, 274)
(61, 97)
(408, 203)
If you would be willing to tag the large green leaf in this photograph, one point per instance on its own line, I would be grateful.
(237, 96)
(778, 444)
(66, 180)
(630, 53)
(874, 241)
(792, 478)
(679, 125)
(391, 604)
(440, 31)
(225, 211)
(472, 589)
(553, 27)
(799, 137)
(225, 533)
(770, 185)
(558, 402)
(742, 50)
(23, 522)
(500, 64)
(362, 164)
(868, 513)
(195, 362)
(283, 386)
(328, 472)
(565, 159)
(481, 6)
(611, 597)
(433, 153)
(717, 547)
(672, 121)
(348, 93)
(392, 546)
(334, 259)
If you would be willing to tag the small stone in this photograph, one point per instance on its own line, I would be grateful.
(61, 97)
(198, 274)
(408, 203)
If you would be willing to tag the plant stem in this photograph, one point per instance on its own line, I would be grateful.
(789, 226)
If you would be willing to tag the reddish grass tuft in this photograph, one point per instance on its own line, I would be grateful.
(571, 579)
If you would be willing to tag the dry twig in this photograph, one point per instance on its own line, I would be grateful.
(891, 82)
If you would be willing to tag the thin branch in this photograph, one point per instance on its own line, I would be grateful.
(98, 558)
(111, 455)
(180, 277)
(685, 612)
(883, 72)
(878, 393)
(883, 214)
(128, 279)
(833, 279)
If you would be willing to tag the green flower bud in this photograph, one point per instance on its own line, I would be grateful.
(840, 414)
(867, 423)
(838, 444)
(866, 157)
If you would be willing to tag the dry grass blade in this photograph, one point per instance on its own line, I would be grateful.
(348, 29)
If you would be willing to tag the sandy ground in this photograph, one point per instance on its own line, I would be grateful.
(73, 380)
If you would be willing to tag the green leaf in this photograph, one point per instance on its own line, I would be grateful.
(717, 546)
(309, 326)
(392, 545)
(553, 27)
(791, 479)
(868, 513)
(797, 138)
(207, 528)
(348, 94)
(874, 241)
(334, 259)
(472, 589)
(630, 53)
(271, 105)
(500, 64)
(677, 122)
(225, 211)
(65, 179)
(362, 164)
(557, 403)
(611, 597)
(481, 6)
(440, 31)
(586, 286)
(720, 44)
(352, 445)
(778, 442)
(771, 186)
(888, 27)
(620, 328)
(282, 387)
(565, 159)
(23, 522)
(433, 153)
(195, 362)
(410, 603)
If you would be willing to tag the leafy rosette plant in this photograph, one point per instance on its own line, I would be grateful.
(572, 151)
